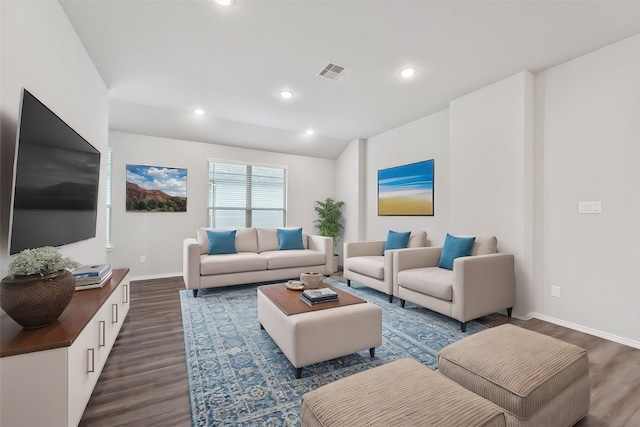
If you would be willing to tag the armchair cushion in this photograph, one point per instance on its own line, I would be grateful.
(433, 281)
(371, 266)
(485, 245)
(455, 247)
(396, 240)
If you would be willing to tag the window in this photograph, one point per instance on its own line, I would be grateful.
(244, 195)
(109, 198)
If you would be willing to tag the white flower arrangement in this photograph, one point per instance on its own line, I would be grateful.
(41, 261)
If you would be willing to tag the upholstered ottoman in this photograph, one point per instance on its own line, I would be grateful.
(537, 379)
(401, 393)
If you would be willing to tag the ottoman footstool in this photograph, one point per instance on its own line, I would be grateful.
(401, 393)
(537, 379)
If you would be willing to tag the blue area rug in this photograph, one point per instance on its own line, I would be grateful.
(239, 377)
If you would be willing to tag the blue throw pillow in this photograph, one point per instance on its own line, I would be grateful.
(222, 242)
(290, 238)
(453, 248)
(396, 240)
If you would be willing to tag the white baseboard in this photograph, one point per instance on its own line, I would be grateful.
(156, 276)
(586, 330)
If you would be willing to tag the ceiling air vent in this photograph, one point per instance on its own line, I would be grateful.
(334, 71)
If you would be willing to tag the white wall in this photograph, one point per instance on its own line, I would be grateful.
(350, 188)
(159, 236)
(41, 52)
(491, 192)
(422, 139)
(588, 130)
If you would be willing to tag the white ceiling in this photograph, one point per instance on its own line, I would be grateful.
(161, 59)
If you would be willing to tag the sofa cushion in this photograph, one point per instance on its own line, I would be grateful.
(372, 266)
(231, 263)
(396, 240)
(454, 247)
(222, 242)
(433, 281)
(293, 258)
(485, 245)
(417, 239)
(246, 239)
(289, 238)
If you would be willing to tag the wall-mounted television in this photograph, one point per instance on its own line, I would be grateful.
(55, 181)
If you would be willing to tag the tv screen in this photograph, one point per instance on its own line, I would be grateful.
(56, 174)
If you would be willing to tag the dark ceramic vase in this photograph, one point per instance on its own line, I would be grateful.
(37, 300)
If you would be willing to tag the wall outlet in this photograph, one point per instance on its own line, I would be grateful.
(555, 291)
(589, 207)
(143, 259)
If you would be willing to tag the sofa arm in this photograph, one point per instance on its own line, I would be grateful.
(325, 245)
(406, 259)
(353, 249)
(191, 263)
(482, 284)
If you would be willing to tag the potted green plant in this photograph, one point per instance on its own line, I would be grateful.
(329, 223)
(38, 288)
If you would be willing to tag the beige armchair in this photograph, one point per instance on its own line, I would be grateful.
(479, 284)
(365, 263)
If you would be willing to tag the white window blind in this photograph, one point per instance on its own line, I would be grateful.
(109, 197)
(244, 195)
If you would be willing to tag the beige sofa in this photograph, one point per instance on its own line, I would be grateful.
(365, 262)
(480, 284)
(257, 260)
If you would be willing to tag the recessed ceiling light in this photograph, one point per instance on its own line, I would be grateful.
(309, 131)
(225, 2)
(286, 94)
(198, 111)
(408, 72)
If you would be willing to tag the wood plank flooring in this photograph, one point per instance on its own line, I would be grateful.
(144, 382)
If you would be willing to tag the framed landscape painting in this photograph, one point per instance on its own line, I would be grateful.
(156, 189)
(406, 189)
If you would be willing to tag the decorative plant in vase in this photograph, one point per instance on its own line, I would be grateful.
(329, 223)
(38, 288)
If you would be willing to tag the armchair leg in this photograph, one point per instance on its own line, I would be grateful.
(463, 326)
(390, 298)
(401, 303)
(195, 292)
(509, 310)
(348, 282)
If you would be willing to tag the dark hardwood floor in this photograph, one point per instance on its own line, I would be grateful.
(144, 382)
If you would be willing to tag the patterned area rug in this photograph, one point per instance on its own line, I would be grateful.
(239, 377)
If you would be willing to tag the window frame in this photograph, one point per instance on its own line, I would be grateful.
(248, 208)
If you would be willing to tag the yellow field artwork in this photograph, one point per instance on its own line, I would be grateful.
(406, 205)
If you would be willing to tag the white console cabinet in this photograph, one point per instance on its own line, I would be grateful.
(47, 375)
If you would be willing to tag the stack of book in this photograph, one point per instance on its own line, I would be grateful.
(91, 276)
(318, 296)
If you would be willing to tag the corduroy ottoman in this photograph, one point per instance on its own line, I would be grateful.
(537, 379)
(401, 393)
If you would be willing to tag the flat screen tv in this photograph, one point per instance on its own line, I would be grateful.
(55, 181)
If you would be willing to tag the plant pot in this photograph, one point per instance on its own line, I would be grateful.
(37, 300)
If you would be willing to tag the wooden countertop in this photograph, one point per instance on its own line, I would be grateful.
(15, 340)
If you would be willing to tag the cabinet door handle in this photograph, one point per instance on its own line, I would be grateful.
(101, 333)
(114, 313)
(125, 297)
(90, 361)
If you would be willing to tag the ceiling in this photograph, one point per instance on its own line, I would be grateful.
(162, 59)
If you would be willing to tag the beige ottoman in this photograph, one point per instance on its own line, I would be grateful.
(317, 336)
(538, 380)
(401, 393)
